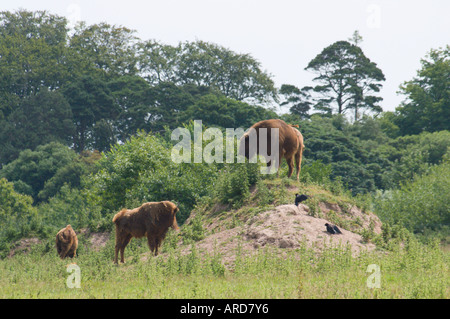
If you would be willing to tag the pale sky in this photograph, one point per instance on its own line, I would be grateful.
(283, 35)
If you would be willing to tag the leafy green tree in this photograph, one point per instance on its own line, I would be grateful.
(70, 175)
(169, 104)
(32, 169)
(110, 49)
(34, 24)
(218, 110)
(419, 204)
(70, 206)
(299, 100)
(237, 76)
(151, 108)
(17, 215)
(347, 78)
(427, 104)
(91, 101)
(410, 156)
(331, 141)
(386, 121)
(38, 119)
(32, 55)
(142, 170)
(157, 62)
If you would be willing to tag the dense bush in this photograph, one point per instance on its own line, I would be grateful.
(234, 181)
(42, 172)
(420, 204)
(142, 170)
(17, 215)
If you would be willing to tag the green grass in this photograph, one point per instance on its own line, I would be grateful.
(410, 270)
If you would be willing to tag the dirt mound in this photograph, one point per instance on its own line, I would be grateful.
(285, 227)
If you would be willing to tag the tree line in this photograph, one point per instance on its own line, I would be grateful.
(95, 85)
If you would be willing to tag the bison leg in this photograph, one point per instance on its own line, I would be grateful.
(298, 162)
(121, 243)
(151, 243)
(157, 243)
(290, 162)
(72, 252)
(122, 248)
(280, 159)
(64, 251)
(116, 252)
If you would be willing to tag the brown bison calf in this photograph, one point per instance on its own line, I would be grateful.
(151, 219)
(66, 242)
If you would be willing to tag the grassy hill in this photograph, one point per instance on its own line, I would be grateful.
(250, 250)
(268, 217)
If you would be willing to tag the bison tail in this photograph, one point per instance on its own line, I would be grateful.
(119, 215)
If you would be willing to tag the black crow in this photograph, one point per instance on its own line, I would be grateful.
(333, 229)
(337, 230)
(330, 229)
(300, 198)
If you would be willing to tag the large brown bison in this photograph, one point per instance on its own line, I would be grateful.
(151, 219)
(66, 242)
(290, 144)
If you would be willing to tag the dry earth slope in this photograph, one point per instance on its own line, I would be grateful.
(286, 227)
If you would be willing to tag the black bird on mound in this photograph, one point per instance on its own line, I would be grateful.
(333, 229)
(300, 198)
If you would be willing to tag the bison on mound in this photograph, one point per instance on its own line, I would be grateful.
(151, 219)
(290, 145)
(66, 242)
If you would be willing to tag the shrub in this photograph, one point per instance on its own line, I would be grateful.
(18, 218)
(142, 170)
(420, 204)
(234, 181)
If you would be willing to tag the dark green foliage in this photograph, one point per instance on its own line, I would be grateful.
(135, 100)
(237, 76)
(346, 78)
(106, 48)
(32, 47)
(142, 170)
(91, 103)
(298, 100)
(41, 173)
(345, 153)
(220, 111)
(427, 104)
(420, 204)
(71, 206)
(38, 119)
(17, 215)
(234, 181)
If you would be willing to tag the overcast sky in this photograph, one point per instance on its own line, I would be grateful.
(284, 35)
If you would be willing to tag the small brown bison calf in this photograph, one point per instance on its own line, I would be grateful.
(66, 242)
(151, 219)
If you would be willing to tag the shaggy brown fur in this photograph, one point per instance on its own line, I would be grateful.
(151, 219)
(291, 144)
(66, 242)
